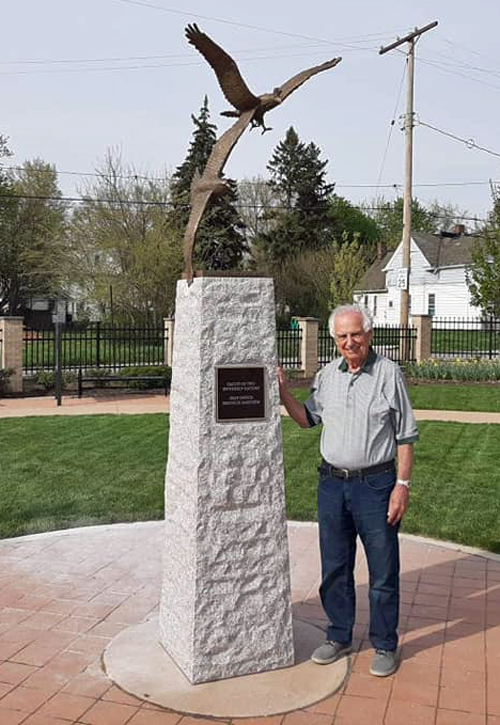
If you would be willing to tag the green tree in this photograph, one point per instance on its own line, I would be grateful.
(483, 276)
(350, 260)
(124, 248)
(301, 222)
(32, 235)
(388, 216)
(220, 240)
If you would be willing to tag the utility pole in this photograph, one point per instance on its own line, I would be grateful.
(404, 281)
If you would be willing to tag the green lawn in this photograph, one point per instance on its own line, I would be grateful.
(446, 396)
(61, 472)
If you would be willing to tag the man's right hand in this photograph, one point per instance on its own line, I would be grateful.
(294, 408)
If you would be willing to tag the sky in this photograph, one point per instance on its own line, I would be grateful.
(80, 78)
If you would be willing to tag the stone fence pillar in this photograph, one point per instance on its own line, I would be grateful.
(11, 337)
(423, 325)
(309, 345)
(169, 339)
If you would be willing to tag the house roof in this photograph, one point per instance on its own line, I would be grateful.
(439, 251)
(444, 251)
(374, 277)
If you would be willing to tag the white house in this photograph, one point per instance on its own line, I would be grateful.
(437, 284)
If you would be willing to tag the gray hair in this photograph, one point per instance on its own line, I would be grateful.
(344, 309)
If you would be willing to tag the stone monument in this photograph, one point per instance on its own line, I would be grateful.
(225, 606)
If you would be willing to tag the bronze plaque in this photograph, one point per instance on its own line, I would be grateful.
(240, 393)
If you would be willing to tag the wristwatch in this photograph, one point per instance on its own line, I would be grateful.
(401, 482)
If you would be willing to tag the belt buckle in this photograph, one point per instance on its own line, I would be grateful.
(345, 471)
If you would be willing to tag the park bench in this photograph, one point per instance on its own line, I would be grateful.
(106, 381)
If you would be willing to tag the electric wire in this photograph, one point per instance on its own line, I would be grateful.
(469, 142)
(185, 13)
(169, 204)
(393, 121)
(338, 185)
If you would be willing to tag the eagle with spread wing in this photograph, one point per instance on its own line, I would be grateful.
(234, 87)
(210, 184)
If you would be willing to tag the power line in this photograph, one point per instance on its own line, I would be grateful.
(158, 56)
(338, 185)
(393, 121)
(438, 66)
(146, 66)
(469, 142)
(169, 204)
(188, 14)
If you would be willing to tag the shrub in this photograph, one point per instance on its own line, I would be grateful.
(47, 378)
(146, 371)
(473, 370)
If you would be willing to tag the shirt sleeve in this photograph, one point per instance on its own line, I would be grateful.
(314, 409)
(405, 425)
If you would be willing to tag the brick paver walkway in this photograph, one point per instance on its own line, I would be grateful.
(64, 595)
(159, 403)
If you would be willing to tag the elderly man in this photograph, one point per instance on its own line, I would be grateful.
(367, 420)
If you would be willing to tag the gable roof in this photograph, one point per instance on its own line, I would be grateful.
(439, 251)
(374, 277)
(443, 251)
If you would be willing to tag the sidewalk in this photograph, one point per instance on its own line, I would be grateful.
(65, 595)
(134, 404)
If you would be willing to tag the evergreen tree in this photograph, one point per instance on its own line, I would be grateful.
(298, 176)
(220, 242)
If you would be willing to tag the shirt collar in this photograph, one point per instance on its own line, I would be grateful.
(372, 356)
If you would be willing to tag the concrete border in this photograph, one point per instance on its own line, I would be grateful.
(137, 663)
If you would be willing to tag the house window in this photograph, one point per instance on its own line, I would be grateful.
(431, 305)
(374, 305)
(366, 301)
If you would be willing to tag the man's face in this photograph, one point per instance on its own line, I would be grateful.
(352, 341)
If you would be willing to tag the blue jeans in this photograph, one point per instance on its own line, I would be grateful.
(348, 508)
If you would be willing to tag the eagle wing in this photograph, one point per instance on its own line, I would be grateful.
(230, 79)
(223, 147)
(198, 206)
(212, 172)
(297, 80)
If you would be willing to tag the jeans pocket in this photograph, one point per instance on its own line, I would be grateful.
(381, 481)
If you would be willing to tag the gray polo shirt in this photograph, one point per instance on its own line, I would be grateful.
(364, 415)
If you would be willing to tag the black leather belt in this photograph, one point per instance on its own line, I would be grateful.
(355, 473)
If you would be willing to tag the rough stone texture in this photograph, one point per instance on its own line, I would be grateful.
(11, 351)
(226, 604)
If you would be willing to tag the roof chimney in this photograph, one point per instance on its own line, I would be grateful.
(381, 250)
(459, 229)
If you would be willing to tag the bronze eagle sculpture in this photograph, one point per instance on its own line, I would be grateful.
(250, 109)
(209, 184)
(234, 87)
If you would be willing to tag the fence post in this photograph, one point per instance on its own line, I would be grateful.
(309, 345)
(168, 323)
(423, 325)
(11, 335)
(58, 361)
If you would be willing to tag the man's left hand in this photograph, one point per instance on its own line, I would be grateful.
(398, 503)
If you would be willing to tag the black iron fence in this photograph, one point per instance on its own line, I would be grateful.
(94, 346)
(397, 342)
(465, 337)
(327, 349)
(289, 342)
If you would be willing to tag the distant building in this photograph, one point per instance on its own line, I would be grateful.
(41, 312)
(437, 286)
